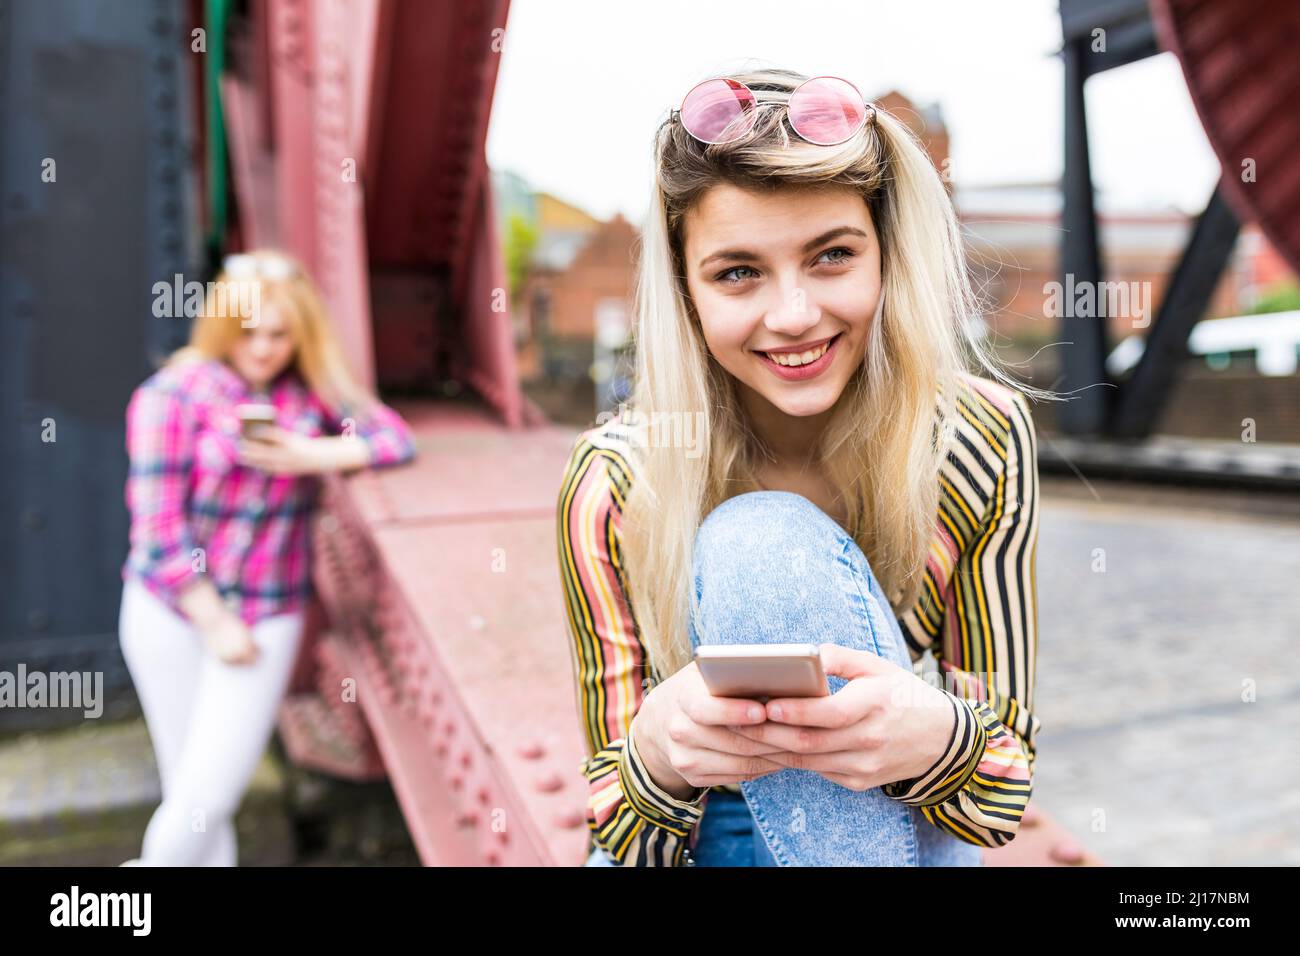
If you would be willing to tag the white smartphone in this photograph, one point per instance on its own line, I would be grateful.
(252, 418)
(762, 671)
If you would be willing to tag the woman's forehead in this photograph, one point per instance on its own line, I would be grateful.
(271, 314)
(728, 215)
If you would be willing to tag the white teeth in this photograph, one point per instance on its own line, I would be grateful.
(793, 359)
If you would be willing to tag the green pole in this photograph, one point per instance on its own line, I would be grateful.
(215, 15)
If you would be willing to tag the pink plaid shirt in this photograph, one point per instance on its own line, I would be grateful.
(196, 510)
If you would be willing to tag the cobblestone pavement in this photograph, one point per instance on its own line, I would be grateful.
(1168, 681)
(82, 796)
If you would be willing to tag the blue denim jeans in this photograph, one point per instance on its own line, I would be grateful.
(727, 836)
(771, 567)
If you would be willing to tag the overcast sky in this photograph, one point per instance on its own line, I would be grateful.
(583, 84)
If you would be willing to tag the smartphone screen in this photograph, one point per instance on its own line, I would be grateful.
(762, 671)
(253, 418)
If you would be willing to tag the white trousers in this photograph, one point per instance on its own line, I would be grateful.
(209, 721)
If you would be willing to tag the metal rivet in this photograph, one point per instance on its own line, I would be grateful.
(1067, 851)
(550, 782)
(569, 819)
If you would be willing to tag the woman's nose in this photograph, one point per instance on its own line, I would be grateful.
(793, 313)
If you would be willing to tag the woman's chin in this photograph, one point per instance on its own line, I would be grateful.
(257, 378)
(805, 406)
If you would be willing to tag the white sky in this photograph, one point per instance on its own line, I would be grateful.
(617, 68)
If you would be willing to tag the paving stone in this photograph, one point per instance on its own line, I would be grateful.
(1140, 680)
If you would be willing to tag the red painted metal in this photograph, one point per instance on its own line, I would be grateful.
(428, 202)
(252, 163)
(1240, 62)
(341, 262)
(290, 41)
(486, 358)
(441, 585)
(440, 657)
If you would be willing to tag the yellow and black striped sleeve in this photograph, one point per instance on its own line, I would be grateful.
(978, 614)
(630, 817)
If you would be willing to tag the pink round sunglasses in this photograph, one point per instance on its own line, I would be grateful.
(825, 110)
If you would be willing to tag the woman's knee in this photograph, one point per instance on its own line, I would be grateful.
(773, 567)
(770, 529)
(766, 567)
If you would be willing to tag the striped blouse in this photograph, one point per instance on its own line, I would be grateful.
(977, 615)
(195, 510)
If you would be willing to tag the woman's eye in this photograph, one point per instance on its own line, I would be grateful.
(848, 254)
(730, 278)
(723, 276)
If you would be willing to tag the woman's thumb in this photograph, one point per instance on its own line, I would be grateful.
(845, 662)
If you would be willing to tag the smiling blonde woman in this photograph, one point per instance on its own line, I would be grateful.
(866, 482)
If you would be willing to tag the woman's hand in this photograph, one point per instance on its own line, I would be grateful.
(885, 724)
(228, 638)
(223, 631)
(283, 452)
(683, 738)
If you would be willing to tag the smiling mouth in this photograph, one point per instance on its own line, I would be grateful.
(798, 359)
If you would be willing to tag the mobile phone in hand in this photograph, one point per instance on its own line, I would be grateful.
(762, 671)
(253, 418)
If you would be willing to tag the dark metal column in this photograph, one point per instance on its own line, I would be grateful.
(1083, 358)
(1144, 395)
(94, 209)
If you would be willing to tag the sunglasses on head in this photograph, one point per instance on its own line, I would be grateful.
(242, 265)
(825, 110)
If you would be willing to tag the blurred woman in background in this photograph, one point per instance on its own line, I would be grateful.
(226, 443)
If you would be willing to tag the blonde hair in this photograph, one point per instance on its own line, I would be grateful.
(318, 355)
(886, 439)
